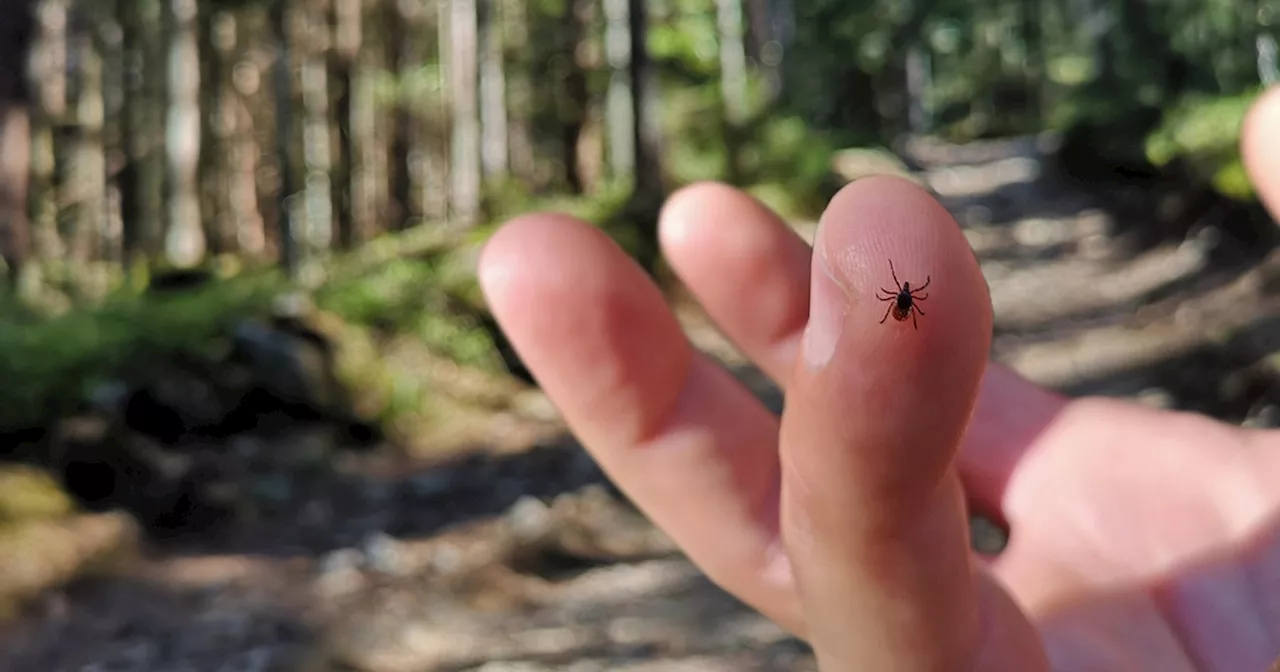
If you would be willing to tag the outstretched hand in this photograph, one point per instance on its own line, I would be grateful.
(1139, 539)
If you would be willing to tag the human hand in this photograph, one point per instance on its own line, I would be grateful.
(1140, 539)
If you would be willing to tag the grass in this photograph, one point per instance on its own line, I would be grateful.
(411, 285)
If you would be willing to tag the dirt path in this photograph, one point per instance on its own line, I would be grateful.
(526, 561)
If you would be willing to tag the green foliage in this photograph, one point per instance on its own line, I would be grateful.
(390, 289)
(1204, 132)
(696, 147)
(53, 363)
(788, 165)
(688, 43)
(421, 297)
(510, 199)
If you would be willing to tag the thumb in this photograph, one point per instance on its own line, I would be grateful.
(873, 515)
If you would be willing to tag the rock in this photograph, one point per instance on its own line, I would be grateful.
(412, 649)
(1156, 397)
(292, 372)
(109, 398)
(105, 466)
(295, 367)
(383, 553)
(339, 573)
(173, 397)
(529, 518)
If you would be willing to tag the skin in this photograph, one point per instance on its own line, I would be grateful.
(1140, 539)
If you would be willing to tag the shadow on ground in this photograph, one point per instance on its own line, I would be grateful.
(135, 624)
(1235, 379)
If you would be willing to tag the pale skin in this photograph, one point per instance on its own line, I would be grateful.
(1141, 540)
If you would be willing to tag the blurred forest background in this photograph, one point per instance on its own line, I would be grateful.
(238, 236)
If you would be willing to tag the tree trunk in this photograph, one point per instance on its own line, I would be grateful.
(618, 111)
(243, 147)
(465, 177)
(733, 81)
(185, 241)
(646, 128)
(85, 189)
(113, 93)
(733, 61)
(399, 208)
(213, 184)
(283, 92)
(316, 146)
(648, 189)
(515, 17)
(50, 75)
(347, 32)
(573, 99)
(140, 180)
(17, 27)
(494, 127)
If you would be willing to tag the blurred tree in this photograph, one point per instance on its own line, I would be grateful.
(464, 169)
(16, 31)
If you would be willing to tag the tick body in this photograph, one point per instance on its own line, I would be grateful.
(903, 300)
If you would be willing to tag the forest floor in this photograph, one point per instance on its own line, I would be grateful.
(513, 554)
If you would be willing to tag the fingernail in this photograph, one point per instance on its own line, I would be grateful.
(827, 309)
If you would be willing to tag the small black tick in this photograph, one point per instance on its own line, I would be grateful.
(904, 299)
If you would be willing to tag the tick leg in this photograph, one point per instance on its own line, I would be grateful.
(916, 307)
(914, 324)
(919, 298)
(927, 279)
(887, 296)
(894, 274)
(886, 315)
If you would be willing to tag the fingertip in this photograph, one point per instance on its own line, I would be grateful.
(510, 245)
(685, 212)
(725, 245)
(499, 257)
(881, 232)
(528, 252)
(1260, 146)
(890, 213)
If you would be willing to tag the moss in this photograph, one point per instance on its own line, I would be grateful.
(407, 284)
(45, 553)
(54, 362)
(29, 493)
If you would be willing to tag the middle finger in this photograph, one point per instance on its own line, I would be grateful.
(746, 267)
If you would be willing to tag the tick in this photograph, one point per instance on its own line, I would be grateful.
(904, 299)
